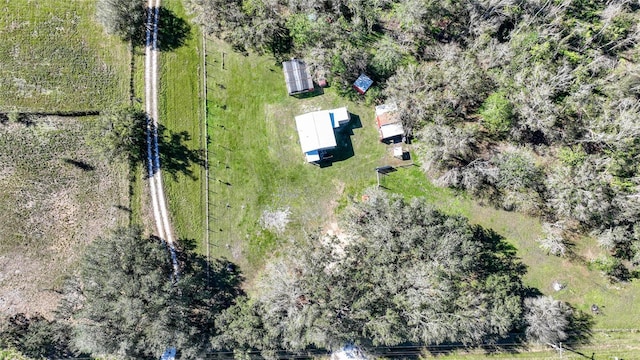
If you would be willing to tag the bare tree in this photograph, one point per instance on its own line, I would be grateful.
(547, 320)
(445, 147)
(552, 240)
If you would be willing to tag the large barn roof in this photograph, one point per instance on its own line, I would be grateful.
(297, 77)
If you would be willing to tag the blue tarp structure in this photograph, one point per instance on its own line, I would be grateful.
(362, 84)
(169, 354)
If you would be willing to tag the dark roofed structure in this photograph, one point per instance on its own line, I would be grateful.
(297, 77)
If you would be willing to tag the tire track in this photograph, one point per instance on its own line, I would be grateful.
(160, 213)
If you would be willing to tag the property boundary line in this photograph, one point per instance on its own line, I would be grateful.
(205, 134)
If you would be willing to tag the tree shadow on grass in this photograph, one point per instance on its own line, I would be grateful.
(175, 155)
(498, 256)
(173, 31)
(579, 329)
(84, 166)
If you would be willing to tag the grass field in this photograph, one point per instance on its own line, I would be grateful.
(56, 192)
(55, 57)
(181, 114)
(257, 167)
(606, 345)
(56, 195)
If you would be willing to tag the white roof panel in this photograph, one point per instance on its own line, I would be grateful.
(340, 114)
(391, 130)
(315, 131)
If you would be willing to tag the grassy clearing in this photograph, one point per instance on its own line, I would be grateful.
(57, 195)
(180, 113)
(257, 166)
(55, 57)
(256, 162)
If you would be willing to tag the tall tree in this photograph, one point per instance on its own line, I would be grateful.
(406, 273)
(124, 18)
(128, 304)
(122, 135)
(547, 320)
(127, 311)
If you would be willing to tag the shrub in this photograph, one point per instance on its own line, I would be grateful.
(497, 113)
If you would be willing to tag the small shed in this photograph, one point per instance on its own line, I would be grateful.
(316, 131)
(297, 77)
(362, 84)
(388, 121)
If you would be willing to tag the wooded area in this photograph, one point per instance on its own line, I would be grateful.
(404, 274)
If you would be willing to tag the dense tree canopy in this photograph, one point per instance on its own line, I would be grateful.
(128, 303)
(407, 273)
(126, 297)
(35, 336)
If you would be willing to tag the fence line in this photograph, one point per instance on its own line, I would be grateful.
(205, 135)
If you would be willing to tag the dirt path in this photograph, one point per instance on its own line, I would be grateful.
(160, 213)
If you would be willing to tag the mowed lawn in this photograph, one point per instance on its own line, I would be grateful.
(54, 56)
(257, 167)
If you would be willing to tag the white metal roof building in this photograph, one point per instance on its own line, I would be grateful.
(316, 131)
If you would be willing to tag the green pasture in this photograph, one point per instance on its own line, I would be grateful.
(54, 56)
(257, 166)
(181, 118)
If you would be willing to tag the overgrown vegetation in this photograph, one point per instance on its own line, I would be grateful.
(56, 192)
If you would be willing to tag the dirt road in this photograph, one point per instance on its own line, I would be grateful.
(160, 213)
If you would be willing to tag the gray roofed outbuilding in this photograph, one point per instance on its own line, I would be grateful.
(297, 77)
